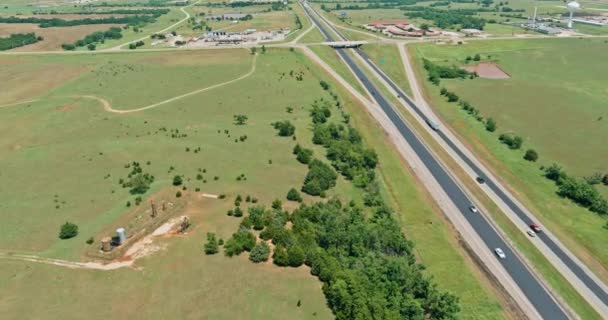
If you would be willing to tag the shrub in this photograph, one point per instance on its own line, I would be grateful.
(491, 125)
(531, 155)
(68, 230)
(178, 194)
(280, 257)
(285, 128)
(90, 240)
(294, 195)
(324, 85)
(240, 119)
(211, 247)
(177, 180)
(260, 252)
(514, 142)
(238, 212)
(303, 155)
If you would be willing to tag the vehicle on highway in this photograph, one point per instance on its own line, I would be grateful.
(535, 227)
(500, 253)
(434, 125)
(480, 180)
(473, 209)
(531, 233)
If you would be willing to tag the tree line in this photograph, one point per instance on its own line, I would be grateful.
(576, 189)
(94, 38)
(437, 72)
(140, 11)
(56, 22)
(16, 40)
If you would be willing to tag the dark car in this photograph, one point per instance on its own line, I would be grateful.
(481, 180)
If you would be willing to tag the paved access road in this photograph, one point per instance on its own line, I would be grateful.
(545, 304)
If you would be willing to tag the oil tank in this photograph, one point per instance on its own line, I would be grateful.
(106, 244)
(121, 234)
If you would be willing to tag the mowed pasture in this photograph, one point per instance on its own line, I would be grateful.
(555, 99)
(64, 156)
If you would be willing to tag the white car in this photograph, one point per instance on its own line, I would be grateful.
(531, 233)
(473, 209)
(500, 253)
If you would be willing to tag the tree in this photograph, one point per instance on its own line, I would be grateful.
(260, 252)
(91, 47)
(211, 247)
(324, 85)
(177, 180)
(491, 125)
(605, 179)
(263, 49)
(240, 119)
(68, 230)
(295, 256)
(254, 50)
(294, 195)
(477, 57)
(531, 155)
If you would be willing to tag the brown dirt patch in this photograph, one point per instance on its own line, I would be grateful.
(488, 70)
(53, 37)
(63, 108)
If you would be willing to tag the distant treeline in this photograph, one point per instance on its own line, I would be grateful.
(446, 19)
(48, 23)
(151, 3)
(18, 40)
(157, 12)
(94, 38)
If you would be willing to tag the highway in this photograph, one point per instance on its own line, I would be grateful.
(544, 303)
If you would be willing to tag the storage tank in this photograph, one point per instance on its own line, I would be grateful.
(106, 244)
(121, 234)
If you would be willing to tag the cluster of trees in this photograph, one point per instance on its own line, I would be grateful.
(138, 181)
(303, 155)
(18, 40)
(366, 265)
(94, 38)
(437, 72)
(135, 45)
(55, 22)
(320, 178)
(577, 190)
(212, 245)
(448, 18)
(346, 152)
(514, 142)
(294, 195)
(242, 240)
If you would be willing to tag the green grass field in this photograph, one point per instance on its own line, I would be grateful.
(555, 93)
(387, 58)
(80, 139)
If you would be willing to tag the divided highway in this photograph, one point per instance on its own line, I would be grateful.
(574, 270)
(546, 306)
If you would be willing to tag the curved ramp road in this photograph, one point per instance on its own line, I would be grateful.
(536, 293)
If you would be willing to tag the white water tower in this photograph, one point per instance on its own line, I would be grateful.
(572, 6)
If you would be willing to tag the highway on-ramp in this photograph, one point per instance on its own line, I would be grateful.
(544, 303)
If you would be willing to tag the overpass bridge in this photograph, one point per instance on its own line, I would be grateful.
(345, 44)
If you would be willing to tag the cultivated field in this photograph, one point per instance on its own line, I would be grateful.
(554, 98)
